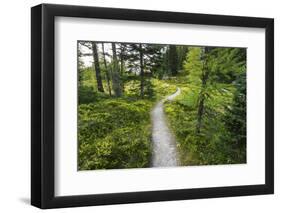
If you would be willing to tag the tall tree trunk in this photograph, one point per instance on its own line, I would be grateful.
(106, 71)
(97, 67)
(200, 112)
(122, 65)
(182, 51)
(115, 74)
(121, 59)
(141, 72)
(203, 91)
(173, 60)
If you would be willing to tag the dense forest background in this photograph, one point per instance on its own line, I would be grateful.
(119, 83)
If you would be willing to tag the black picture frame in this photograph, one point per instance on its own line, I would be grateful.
(43, 111)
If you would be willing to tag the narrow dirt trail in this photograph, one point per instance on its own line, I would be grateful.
(164, 143)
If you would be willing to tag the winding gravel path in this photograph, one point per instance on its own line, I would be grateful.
(164, 143)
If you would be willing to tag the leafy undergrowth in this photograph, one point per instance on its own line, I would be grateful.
(212, 145)
(115, 133)
(163, 88)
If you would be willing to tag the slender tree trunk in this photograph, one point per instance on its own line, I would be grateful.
(141, 72)
(106, 71)
(200, 112)
(115, 74)
(121, 59)
(97, 67)
(173, 60)
(181, 56)
(122, 65)
(203, 91)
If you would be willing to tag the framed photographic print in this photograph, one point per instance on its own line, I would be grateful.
(140, 106)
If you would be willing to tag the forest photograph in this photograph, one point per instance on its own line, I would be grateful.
(144, 105)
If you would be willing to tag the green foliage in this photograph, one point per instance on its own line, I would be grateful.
(235, 119)
(87, 94)
(226, 63)
(114, 134)
(216, 78)
(123, 148)
(87, 77)
(162, 88)
(208, 118)
(193, 64)
(209, 147)
(173, 59)
(181, 52)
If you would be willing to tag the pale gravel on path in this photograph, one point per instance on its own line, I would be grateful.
(164, 143)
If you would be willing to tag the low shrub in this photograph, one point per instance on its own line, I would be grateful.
(114, 133)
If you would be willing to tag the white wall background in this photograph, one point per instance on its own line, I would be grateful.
(15, 105)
